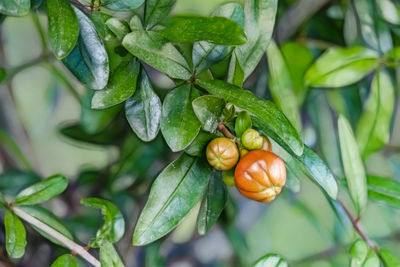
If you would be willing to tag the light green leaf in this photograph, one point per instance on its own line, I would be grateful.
(63, 27)
(271, 260)
(388, 11)
(114, 224)
(121, 86)
(42, 191)
(136, 23)
(109, 256)
(365, 13)
(353, 166)
(173, 194)
(373, 128)
(389, 258)
(236, 73)
(208, 110)
(153, 49)
(179, 124)
(124, 5)
(384, 184)
(362, 255)
(15, 7)
(143, 110)
(156, 11)
(118, 27)
(66, 260)
(339, 67)
(15, 235)
(242, 123)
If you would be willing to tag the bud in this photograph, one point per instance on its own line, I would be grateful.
(242, 123)
(252, 140)
(222, 153)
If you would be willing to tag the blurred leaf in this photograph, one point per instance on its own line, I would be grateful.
(63, 27)
(384, 197)
(208, 110)
(153, 49)
(280, 85)
(242, 123)
(271, 260)
(153, 257)
(2, 201)
(42, 191)
(362, 255)
(8, 145)
(15, 235)
(266, 115)
(121, 86)
(118, 27)
(49, 219)
(156, 11)
(114, 224)
(109, 256)
(373, 128)
(3, 74)
(136, 23)
(15, 7)
(143, 110)
(389, 258)
(124, 5)
(384, 184)
(365, 13)
(238, 243)
(339, 67)
(13, 181)
(388, 11)
(88, 61)
(173, 194)
(353, 165)
(179, 124)
(196, 148)
(213, 203)
(236, 75)
(66, 260)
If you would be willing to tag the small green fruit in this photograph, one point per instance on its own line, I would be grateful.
(252, 140)
(229, 177)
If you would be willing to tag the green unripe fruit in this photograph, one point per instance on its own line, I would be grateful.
(252, 140)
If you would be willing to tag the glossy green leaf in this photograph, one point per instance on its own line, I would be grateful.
(42, 191)
(197, 147)
(114, 224)
(280, 85)
(373, 128)
(15, 235)
(179, 124)
(362, 255)
(124, 5)
(156, 11)
(49, 219)
(63, 27)
(208, 110)
(143, 110)
(213, 203)
(268, 116)
(242, 123)
(173, 194)
(271, 260)
(88, 61)
(118, 27)
(339, 67)
(66, 260)
(121, 86)
(353, 165)
(109, 256)
(15, 7)
(389, 258)
(153, 49)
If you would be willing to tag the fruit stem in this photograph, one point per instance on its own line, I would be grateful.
(222, 128)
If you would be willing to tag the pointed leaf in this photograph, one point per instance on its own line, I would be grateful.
(118, 27)
(15, 7)
(389, 258)
(208, 110)
(66, 260)
(156, 11)
(15, 235)
(124, 5)
(362, 255)
(271, 260)
(109, 256)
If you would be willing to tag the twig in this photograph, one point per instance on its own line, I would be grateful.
(14, 71)
(222, 128)
(74, 247)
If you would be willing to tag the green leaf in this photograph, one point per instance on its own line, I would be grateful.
(373, 128)
(124, 5)
(63, 27)
(109, 256)
(15, 235)
(42, 191)
(114, 224)
(208, 110)
(156, 11)
(179, 124)
(271, 260)
(15, 7)
(173, 194)
(236, 75)
(352, 164)
(384, 197)
(143, 110)
(121, 86)
(280, 85)
(118, 27)
(265, 114)
(66, 260)
(389, 258)
(383, 184)
(362, 255)
(2, 201)
(242, 123)
(3, 74)
(136, 23)
(49, 219)
(11, 182)
(153, 49)
(12, 149)
(388, 11)
(339, 67)
(196, 148)
(213, 203)
(88, 61)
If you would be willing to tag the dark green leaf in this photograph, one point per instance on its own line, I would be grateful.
(109, 256)
(42, 191)
(66, 260)
(88, 61)
(352, 164)
(15, 235)
(339, 67)
(362, 255)
(389, 258)
(179, 124)
(173, 194)
(3, 74)
(114, 224)
(118, 27)
(15, 7)
(156, 11)
(242, 123)
(124, 5)
(121, 86)
(143, 110)
(213, 203)
(196, 148)
(208, 110)
(266, 115)
(63, 27)
(11, 182)
(373, 128)
(153, 49)
(271, 260)
(2, 201)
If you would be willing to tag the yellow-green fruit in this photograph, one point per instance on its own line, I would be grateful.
(222, 153)
(229, 177)
(252, 140)
(243, 152)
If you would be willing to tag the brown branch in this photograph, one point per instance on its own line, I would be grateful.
(222, 128)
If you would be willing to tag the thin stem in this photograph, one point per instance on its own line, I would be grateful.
(41, 32)
(222, 128)
(26, 65)
(74, 247)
